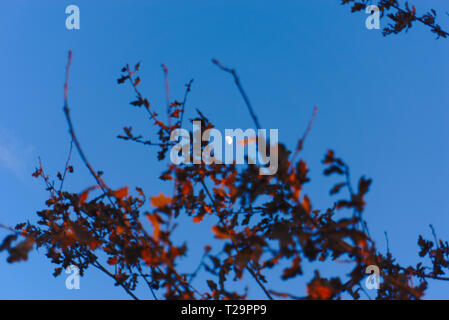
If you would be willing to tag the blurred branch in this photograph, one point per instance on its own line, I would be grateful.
(242, 92)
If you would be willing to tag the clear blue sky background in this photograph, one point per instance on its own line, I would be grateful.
(382, 107)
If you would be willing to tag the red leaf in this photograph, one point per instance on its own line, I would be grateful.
(198, 219)
(83, 196)
(220, 233)
(121, 193)
(160, 201)
(154, 219)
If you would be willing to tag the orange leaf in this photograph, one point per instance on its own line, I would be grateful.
(319, 291)
(175, 114)
(220, 233)
(186, 187)
(147, 256)
(306, 204)
(112, 261)
(94, 244)
(198, 219)
(121, 193)
(160, 201)
(220, 192)
(120, 230)
(156, 227)
(250, 140)
(83, 196)
(140, 191)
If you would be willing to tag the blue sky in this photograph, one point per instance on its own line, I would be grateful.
(382, 106)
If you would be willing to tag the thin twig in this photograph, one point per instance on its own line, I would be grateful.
(242, 92)
(188, 86)
(267, 293)
(434, 235)
(167, 92)
(66, 168)
(388, 244)
(98, 179)
(198, 268)
(100, 267)
(3, 226)
(306, 133)
(147, 282)
(134, 84)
